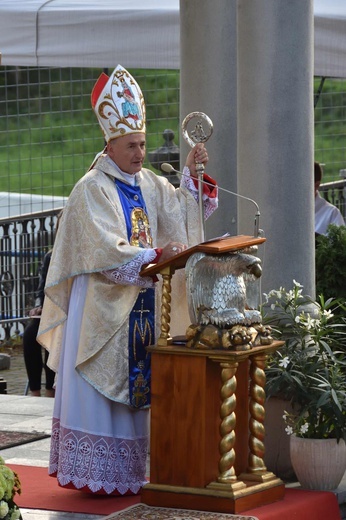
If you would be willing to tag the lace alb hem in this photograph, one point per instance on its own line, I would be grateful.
(210, 205)
(128, 274)
(100, 463)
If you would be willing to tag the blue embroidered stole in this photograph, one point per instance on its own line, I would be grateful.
(142, 316)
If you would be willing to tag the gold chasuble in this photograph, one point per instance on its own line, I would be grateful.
(94, 217)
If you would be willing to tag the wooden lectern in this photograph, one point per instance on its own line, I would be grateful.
(207, 415)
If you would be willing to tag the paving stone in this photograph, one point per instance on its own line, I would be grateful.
(5, 361)
(16, 377)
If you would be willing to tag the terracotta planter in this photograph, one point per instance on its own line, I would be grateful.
(319, 464)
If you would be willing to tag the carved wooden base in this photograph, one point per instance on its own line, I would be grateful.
(218, 499)
(207, 430)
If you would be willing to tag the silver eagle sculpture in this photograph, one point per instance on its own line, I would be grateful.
(216, 288)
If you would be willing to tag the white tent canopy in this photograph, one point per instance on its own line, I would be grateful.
(330, 38)
(136, 33)
(90, 33)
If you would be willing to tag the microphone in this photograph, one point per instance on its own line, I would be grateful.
(168, 168)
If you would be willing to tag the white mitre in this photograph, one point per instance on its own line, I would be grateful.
(118, 103)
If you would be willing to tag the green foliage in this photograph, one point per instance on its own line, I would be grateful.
(330, 258)
(49, 134)
(330, 116)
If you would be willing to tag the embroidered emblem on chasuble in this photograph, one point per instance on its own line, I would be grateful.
(142, 316)
(141, 235)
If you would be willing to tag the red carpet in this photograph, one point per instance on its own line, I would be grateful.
(39, 491)
(299, 504)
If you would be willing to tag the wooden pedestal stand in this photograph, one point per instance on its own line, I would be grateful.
(207, 418)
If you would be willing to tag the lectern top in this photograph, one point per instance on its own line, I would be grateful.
(217, 245)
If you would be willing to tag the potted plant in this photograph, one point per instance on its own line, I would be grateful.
(308, 372)
(9, 486)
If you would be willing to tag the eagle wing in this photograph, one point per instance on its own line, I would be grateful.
(215, 288)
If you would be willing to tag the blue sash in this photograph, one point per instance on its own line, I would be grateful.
(142, 316)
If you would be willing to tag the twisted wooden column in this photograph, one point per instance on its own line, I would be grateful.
(227, 477)
(257, 412)
(165, 338)
(228, 422)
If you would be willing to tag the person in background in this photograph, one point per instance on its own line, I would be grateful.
(33, 355)
(325, 212)
(99, 313)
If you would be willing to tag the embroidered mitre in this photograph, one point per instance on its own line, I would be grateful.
(118, 103)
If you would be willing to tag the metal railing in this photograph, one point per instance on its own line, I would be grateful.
(24, 240)
(335, 193)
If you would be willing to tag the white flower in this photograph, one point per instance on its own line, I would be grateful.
(284, 416)
(297, 319)
(273, 293)
(3, 509)
(289, 430)
(328, 314)
(311, 322)
(273, 306)
(297, 284)
(284, 362)
(15, 514)
(290, 294)
(304, 428)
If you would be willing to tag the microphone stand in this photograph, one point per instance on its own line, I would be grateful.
(168, 168)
